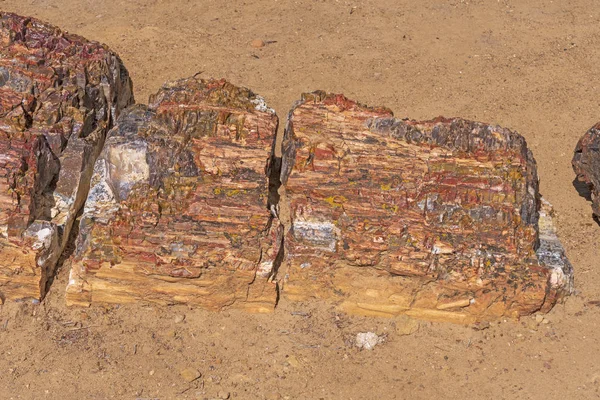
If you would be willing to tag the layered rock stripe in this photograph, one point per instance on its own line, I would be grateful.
(177, 212)
(435, 219)
(59, 95)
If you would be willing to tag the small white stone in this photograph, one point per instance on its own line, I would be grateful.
(368, 340)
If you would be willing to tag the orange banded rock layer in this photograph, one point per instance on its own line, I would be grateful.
(177, 212)
(59, 95)
(438, 219)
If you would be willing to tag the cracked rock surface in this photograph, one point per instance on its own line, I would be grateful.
(59, 95)
(177, 211)
(439, 219)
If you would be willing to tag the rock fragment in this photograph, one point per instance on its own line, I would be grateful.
(439, 219)
(177, 212)
(190, 374)
(586, 164)
(257, 43)
(368, 340)
(59, 95)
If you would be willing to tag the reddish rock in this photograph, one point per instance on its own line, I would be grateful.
(59, 95)
(437, 219)
(586, 164)
(177, 212)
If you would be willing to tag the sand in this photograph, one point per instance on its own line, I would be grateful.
(531, 66)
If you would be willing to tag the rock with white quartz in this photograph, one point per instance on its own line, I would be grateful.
(177, 212)
(438, 219)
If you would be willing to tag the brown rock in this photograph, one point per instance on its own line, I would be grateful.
(586, 164)
(190, 374)
(59, 95)
(257, 43)
(439, 219)
(178, 212)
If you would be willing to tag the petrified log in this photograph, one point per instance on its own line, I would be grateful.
(177, 212)
(586, 164)
(59, 95)
(438, 219)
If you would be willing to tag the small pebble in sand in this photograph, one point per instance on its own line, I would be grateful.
(190, 374)
(223, 395)
(257, 43)
(539, 318)
(368, 340)
(179, 318)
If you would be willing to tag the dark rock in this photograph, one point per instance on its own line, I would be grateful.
(586, 164)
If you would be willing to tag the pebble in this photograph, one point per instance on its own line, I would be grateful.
(539, 318)
(257, 43)
(179, 318)
(293, 361)
(151, 372)
(223, 395)
(273, 396)
(481, 326)
(368, 340)
(190, 374)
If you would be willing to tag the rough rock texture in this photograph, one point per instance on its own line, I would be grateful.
(586, 163)
(435, 219)
(59, 95)
(177, 212)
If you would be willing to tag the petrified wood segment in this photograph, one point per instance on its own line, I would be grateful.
(435, 219)
(59, 95)
(177, 212)
(586, 164)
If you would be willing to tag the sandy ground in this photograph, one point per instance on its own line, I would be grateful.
(526, 65)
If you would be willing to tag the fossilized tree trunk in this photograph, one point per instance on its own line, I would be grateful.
(178, 208)
(586, 164)
(59, 95)
(439, 219)
(187, 202)
(435, 219)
